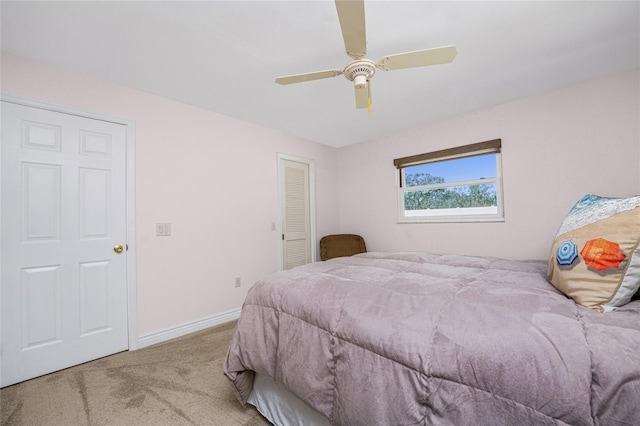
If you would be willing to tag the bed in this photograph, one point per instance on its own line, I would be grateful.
(411, 338)
(418, 338)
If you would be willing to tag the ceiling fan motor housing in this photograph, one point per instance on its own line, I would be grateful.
(360, 71)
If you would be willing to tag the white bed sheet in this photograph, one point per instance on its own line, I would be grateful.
(281, 407)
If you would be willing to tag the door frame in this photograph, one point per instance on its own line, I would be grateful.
(132, 319)
(312, 202)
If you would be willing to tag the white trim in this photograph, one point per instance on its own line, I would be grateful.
(55, 107)
(312, 200)
(132, 318)
(182, 330)
(132, 263)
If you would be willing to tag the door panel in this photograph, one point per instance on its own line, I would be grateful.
(64, 289)
(40, 305)
(40, 202)
(94, 297)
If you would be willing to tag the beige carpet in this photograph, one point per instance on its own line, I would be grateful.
(175, 383)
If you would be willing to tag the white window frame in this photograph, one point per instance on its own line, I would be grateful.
(471, 214)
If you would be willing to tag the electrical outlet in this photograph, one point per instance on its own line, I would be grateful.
(238, 282)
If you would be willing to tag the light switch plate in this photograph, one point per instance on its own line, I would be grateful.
(163, 229)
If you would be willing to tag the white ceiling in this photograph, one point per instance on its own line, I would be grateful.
(225, 55)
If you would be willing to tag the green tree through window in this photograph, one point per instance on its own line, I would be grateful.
(476, 195)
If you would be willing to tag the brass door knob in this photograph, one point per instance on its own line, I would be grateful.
(118, 249)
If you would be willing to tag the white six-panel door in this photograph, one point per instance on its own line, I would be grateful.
(64, 289)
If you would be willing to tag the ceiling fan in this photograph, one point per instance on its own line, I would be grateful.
(361, 70)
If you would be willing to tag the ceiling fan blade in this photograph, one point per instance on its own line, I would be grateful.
(362, 95)
(300, 78)
(351, 16)
(419, 58)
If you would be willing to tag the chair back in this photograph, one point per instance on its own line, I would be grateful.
(340, 245)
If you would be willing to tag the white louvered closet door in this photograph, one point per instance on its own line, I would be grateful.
(296, 235)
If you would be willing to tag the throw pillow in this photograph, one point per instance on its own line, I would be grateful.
(595, 258)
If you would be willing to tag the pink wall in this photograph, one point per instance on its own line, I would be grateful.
(187, 173)
(213, 177)
(557, 147)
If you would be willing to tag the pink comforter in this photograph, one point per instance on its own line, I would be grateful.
(415, 338)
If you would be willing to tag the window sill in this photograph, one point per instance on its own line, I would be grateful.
(452, 219)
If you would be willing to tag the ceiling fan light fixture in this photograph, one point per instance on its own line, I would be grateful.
(360, 81)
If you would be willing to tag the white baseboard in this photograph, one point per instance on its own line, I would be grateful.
(181, 330)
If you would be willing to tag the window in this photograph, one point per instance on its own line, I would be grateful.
(462, 184)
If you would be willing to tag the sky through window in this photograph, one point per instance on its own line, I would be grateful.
(459, 169)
